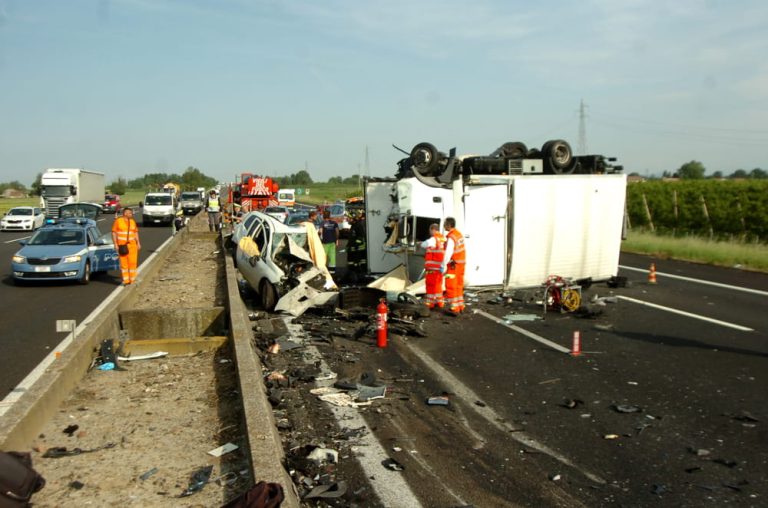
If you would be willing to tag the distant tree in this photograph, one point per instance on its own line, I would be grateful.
(758, 173)
(634, 173)
(666, 174)
(119, 186)
(336, 180)
(352, 180)
(35, 187)
(739, 173)
(17, 186)
(717, 174)
(692, 170)
(301, 178)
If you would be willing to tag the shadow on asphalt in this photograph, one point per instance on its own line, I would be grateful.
(666, 340)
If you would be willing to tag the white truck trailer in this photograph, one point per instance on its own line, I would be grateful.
(63, 186)
(520, 226)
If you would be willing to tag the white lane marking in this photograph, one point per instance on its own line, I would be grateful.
(698, 281)
(38, 371)
(688, 314)
(17, 239)
(390, 486)
(525, 332)
(469, 397)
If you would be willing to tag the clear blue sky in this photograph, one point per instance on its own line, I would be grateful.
(128, 87)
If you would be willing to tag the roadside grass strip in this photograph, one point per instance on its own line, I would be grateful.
(525, 332)
(687, 314)
(697, 281)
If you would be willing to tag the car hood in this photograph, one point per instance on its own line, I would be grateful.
(51, 251)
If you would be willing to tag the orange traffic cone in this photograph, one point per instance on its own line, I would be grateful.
(652, 274)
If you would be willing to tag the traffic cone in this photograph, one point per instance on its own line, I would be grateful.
(652, 274)
(576, 349)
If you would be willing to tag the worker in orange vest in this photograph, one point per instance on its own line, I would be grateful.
(125, 236)
(433, 262)
(453, 266)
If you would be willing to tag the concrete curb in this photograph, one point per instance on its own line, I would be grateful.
(266, 449)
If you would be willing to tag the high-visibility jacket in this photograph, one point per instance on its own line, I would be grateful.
(126, 229)
(214, 205)
(458, 255)
(433, 258)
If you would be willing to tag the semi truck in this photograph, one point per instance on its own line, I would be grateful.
(64, 186)
(525, 216)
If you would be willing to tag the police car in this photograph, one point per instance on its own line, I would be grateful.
(68, 248)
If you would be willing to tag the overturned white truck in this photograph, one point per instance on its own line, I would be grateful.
(525, 214)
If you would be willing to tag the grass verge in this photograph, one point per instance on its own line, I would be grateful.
(749, 256)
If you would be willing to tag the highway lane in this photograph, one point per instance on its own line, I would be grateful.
(29, 313)
(695, 385)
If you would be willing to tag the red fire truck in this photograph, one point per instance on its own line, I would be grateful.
(257, 192)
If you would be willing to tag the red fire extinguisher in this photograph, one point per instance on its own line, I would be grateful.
(381, 324)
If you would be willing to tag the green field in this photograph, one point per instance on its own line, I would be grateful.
(749, 256)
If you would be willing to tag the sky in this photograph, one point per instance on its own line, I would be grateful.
(129, 87)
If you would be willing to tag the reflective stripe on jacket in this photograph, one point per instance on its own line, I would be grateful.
(459, 254)
(126, 230)
(434, 255)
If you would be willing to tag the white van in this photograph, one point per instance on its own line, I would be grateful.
(159, 208)
(286, 197)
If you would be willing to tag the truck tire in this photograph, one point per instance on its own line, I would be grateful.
(558, 157)
(424, 158)
(268, 295)
(86, 277)
(513, 150)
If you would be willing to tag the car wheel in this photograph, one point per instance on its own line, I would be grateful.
(86, 277)
(268, 295)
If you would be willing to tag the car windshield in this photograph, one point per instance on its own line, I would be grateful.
(297, 218)
(190, 195)
(110, 197)
(285, 195)
(278, 240)
(274, 209)
(158, 200)
(20, 211)
(58, 237)
(56, 191)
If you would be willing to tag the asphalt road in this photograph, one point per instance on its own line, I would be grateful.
(28, 318)
(660, 409)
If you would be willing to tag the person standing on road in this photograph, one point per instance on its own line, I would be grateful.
(433, 263)
(213, 206)
(329, 235)
(453, 266)
(125, 237)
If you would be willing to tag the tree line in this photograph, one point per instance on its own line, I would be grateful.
(695, 170)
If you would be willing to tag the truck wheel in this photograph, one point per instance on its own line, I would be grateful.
(513, 150)
(86, 277)
(424, 158)
(558, 156)
(268, 295)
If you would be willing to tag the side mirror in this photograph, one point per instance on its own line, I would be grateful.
(100, 241)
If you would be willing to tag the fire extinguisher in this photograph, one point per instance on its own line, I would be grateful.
(381, 324)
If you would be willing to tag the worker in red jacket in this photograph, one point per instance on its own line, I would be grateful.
(433, 262)
(454, 262)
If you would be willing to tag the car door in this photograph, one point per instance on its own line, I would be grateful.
(38, 218)
(101, 251)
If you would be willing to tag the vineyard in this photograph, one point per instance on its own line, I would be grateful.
(715, 209)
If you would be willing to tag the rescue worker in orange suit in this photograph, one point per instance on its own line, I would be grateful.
(453, 266)
(126, 232)
(433, 262)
